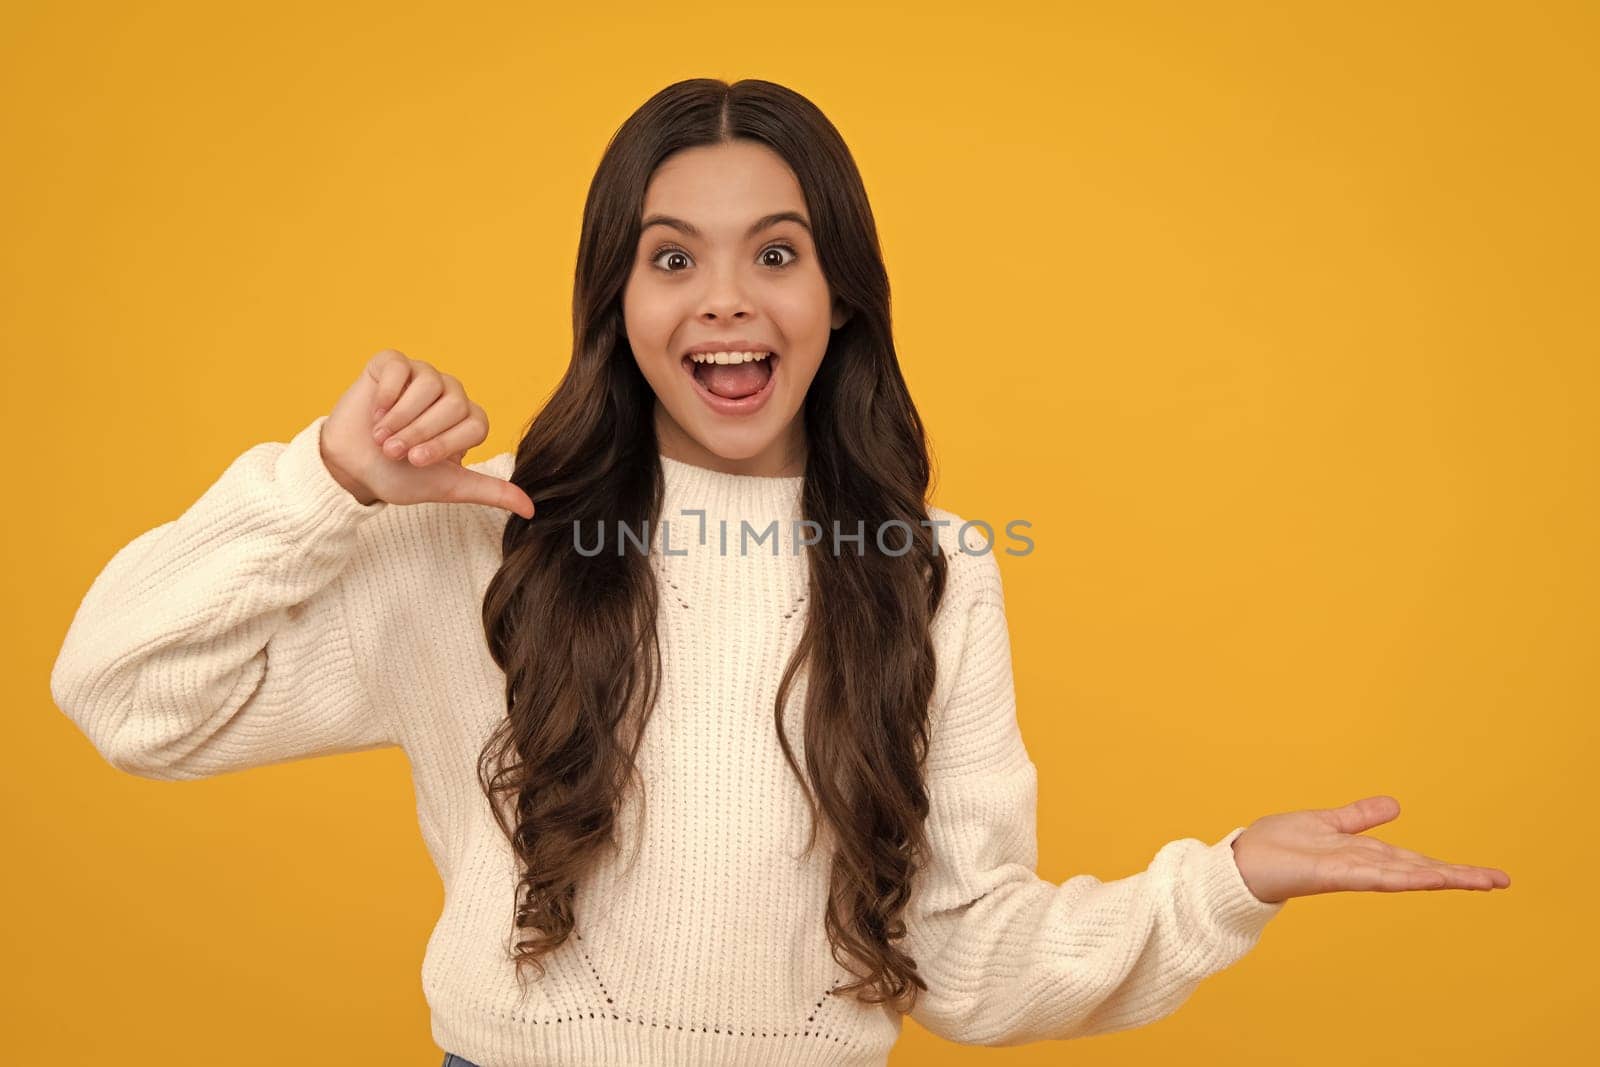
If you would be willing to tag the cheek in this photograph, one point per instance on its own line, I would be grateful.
(649, 317)
(802, 311)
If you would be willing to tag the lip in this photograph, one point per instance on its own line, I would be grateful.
(745, 405)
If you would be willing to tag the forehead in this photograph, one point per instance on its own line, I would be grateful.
(722, 187)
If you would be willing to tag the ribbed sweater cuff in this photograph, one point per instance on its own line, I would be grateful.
(1239, 915)
(308, 493)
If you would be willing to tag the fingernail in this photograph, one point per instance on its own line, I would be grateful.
(394, 446)
(380, 433)
(378, 414)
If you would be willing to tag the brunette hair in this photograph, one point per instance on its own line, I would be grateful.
(575, 633)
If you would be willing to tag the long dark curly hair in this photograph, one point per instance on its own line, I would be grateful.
(576, 634)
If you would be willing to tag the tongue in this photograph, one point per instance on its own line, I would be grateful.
(734, 380)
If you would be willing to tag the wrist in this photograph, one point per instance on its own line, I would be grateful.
(349, 483)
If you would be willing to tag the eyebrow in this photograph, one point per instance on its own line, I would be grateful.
(756, 227)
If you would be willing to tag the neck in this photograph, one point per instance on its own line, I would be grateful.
(784, 457)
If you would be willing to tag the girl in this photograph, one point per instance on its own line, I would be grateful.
(722, 804)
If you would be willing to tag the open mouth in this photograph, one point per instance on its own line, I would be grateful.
(732, 376)
(739, 385)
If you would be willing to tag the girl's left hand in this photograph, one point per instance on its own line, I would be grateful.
(1301, 853)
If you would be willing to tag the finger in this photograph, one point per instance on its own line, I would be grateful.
(451, 409)
(425, 387)
(1363, 814)
(1395, 852)
(1481, 877)
(391, 370)
(1390, 878)
(472, 487)
(1454, 876)
(458, 439)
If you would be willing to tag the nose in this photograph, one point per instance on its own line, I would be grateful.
(724, 298)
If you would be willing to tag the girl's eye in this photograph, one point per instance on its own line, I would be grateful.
(677, 255)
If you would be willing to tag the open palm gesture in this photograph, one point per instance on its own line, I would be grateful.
(1321, 850)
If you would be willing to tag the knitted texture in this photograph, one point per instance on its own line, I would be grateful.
(278, 618)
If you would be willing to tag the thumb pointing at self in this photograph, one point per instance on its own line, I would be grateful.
(399, 433)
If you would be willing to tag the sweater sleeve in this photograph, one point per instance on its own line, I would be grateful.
(218, 641)
(1011, 958)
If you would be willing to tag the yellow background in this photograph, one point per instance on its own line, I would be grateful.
(1276, 321)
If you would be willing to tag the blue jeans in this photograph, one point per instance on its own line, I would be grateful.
(452, 1060)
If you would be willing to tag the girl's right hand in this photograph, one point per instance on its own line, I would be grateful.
(407, 401)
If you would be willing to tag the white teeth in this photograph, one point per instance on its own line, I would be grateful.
(727, 357)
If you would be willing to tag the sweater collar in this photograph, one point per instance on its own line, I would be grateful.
(753, 497)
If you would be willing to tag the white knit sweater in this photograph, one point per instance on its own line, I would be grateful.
(278, 618)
